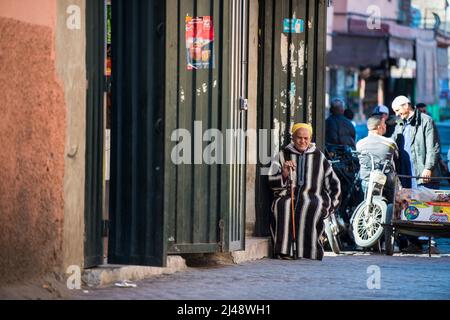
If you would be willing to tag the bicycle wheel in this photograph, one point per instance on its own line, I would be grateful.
(367, 228)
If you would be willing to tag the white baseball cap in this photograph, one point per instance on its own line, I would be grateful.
(400, 100)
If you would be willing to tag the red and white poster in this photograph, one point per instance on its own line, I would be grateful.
(199, 42)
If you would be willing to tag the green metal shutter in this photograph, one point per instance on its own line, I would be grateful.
(289, 91)
(205, 203)
(137, 232)
(93, 242)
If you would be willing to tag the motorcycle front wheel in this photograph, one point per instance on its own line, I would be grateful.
(367, 227)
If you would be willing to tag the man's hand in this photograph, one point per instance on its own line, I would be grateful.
(285, 170)
(426, 174)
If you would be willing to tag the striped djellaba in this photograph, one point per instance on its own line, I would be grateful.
(317, 194)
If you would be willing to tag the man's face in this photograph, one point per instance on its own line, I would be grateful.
(301, 139)
(382, 127)
(339, 108)
(422, 109)
(402, 111)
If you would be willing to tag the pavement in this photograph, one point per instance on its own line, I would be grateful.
(348, 276)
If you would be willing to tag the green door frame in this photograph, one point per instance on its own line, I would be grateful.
(95, 59)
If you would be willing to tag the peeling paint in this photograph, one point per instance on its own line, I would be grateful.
(292, 92)
(284, 52)
(300, 102)
(276, 135)
(283, 107)
(293, 60)
(282, 128)
(215, 83)
(205, 87)
(182, 96)
(301, 57)
(310, 106)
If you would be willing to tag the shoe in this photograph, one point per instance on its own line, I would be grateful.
(285, 257)
(412, 248)
(434, 250)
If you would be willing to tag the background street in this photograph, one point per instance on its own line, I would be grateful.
(443, 128)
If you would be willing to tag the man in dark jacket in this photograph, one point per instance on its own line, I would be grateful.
(417, 139)
(416, 135)
(338, 129)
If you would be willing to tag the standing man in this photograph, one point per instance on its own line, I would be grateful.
(338, 129)
(316, 191)
(417, 139)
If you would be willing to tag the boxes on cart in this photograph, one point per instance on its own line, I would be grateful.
(427, 211)
(434, 210)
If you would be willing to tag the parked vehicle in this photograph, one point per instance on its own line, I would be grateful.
(346, 166)
(370, 216)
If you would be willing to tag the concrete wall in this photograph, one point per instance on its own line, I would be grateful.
(71, 69)
(42, 12)
(42, 134)
(32, 136)
(340, 20)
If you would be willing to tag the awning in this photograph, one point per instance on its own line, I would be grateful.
(427, 73)
(401, 48)
(442, 63)
(365, 50)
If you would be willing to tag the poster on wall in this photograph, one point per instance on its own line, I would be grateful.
(199, 42)
(108, 39)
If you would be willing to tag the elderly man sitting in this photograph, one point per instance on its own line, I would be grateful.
(300, 169)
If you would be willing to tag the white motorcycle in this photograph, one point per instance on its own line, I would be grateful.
(369, 217)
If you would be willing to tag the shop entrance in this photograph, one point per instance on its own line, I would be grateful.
(152, 206)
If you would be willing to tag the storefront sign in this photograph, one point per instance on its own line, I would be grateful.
(293, 25)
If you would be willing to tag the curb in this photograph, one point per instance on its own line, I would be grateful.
(255, 249)
(107, 275)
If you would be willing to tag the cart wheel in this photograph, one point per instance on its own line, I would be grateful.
(389, 239)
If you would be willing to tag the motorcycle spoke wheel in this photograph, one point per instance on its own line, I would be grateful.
(367, 226)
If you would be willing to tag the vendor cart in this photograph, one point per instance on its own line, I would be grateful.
(429, 217)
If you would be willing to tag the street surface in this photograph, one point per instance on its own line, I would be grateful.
(352, 275)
